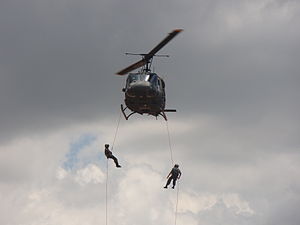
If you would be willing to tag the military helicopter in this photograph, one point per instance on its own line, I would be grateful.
(145, 90)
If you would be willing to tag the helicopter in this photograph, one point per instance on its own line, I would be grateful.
(145, 90)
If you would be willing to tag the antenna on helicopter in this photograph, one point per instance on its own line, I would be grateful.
(147, 58)
(148, 65)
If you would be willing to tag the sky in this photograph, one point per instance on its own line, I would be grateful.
(232, 75)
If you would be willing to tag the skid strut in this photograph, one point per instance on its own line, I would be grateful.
(123, 111)
(162, 113)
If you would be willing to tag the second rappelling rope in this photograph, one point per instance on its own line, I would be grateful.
(172, 161)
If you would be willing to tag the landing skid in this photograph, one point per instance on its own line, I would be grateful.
(124, 114)
(162, 113)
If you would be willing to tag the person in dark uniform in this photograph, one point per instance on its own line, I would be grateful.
(109, 155)
(173, 175)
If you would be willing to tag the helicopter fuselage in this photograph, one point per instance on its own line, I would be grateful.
(145, 93)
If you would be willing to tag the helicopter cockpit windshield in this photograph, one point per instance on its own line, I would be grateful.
(135, 77)
(132, 77)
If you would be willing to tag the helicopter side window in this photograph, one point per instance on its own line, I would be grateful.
(158, 84)
(150, 77)
(131, 79)
(163, 83)
(153, 78)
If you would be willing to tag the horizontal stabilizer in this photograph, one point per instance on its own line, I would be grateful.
(170, 110)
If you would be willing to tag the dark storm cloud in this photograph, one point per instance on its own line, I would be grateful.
(56, 63)
(58, 59)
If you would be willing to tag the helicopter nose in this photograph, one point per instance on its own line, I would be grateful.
(140, 89)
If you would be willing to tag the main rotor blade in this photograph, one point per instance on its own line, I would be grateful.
(148, 56)
(163, 43)
(132, 67)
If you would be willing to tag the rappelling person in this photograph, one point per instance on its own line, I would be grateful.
(173, 175)
(109, 155)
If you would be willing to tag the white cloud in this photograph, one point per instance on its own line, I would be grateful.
(90, 174)
(61, 173)
(233, 200)
(186, 219)
(53, 194)
(196, 202)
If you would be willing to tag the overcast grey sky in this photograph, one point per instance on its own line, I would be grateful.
(233, 77)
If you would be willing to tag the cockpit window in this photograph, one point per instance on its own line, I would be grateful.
(153, 78)
(132, 77)
(150, 77)
(144, 77)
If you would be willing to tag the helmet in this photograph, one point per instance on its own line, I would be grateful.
(106, 145)
(176, 165)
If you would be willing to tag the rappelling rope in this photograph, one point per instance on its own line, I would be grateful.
(117, 129)
(176, 203)
(171, 155)
(170, 146)
(106, 190)
(106, 185)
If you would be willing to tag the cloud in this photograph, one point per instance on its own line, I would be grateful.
(76, 148)
(51, 193)
(195, 203)
(61, 173)
(234, 201)
(90, 174)
(232, 76)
